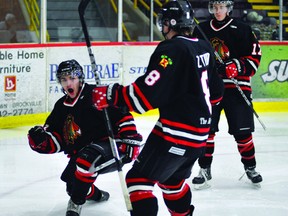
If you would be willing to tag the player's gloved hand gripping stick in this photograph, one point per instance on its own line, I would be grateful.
(231, 74)
(81, 9)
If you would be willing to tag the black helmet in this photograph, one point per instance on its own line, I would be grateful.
(178, 14)
(70, 67)
(229, 5)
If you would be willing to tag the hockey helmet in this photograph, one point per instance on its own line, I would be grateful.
(70, 67)
(177, 14)
(229, 4)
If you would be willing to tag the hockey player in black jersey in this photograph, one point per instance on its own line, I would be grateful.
(78, 129)
(179, 82)
(240, 52)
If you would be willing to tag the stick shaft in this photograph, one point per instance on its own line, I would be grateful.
(81, 9)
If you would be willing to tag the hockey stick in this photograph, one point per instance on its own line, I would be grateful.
(233, 79)
(81, 9)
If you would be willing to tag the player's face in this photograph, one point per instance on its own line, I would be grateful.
(71, 85)
(220, 11)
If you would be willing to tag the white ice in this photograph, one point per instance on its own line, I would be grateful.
(30, 183)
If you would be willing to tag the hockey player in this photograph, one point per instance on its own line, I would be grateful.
(178, 81)
(77, 128)
(240, 51)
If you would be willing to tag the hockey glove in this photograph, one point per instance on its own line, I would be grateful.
(130, 147)
(39, 140)
(36, 136)
(105, 96)
(228, 70)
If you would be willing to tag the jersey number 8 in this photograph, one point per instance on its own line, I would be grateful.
(152, 78)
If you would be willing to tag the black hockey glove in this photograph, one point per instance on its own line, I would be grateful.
(42, 142)
(37, 134)
(229, 69)
(130, 147)
(37, 138)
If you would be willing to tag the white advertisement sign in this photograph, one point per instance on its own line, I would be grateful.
(135, 61)
(108, 61)
(22, 81)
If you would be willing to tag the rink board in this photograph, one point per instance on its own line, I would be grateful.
(39, 119)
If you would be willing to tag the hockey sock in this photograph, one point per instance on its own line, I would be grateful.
(177, 196)
(246, 149)
(144, 203)
(144, 207)
(206, 161)
(83, 182)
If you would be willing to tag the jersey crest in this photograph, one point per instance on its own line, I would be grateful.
(165, 61)
(71, 130)
(221, 48)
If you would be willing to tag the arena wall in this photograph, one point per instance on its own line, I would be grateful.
(29, 89)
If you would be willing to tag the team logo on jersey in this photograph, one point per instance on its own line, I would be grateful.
(165, 61)
(71, 130)
(221, 48)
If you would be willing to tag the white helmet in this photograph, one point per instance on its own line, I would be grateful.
(229, 5)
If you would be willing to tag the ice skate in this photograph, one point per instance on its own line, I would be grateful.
(252, 175)
(73, 209)
(201, 181)
(104, 197)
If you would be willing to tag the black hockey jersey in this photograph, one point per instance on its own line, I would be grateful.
(233, 39)
(75, 124)
(177, 82)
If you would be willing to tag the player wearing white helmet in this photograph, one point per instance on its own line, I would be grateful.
(239, 56)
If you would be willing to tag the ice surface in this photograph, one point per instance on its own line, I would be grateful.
(30, 183)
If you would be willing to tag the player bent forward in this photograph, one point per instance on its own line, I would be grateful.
(76, 128)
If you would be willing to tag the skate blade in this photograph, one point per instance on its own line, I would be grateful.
(256, 185)
(202, 186)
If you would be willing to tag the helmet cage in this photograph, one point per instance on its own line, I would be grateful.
(229, 4)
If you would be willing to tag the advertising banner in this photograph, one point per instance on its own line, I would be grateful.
(108, 61)
(135, 61)
(271, 79)
(28, 83)
(22, 81)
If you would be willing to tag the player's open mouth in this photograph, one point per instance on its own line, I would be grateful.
(70, 90)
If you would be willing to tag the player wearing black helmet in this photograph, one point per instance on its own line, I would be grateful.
(239, 54)
(179, 82)
(178, 17)
(78, 129)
